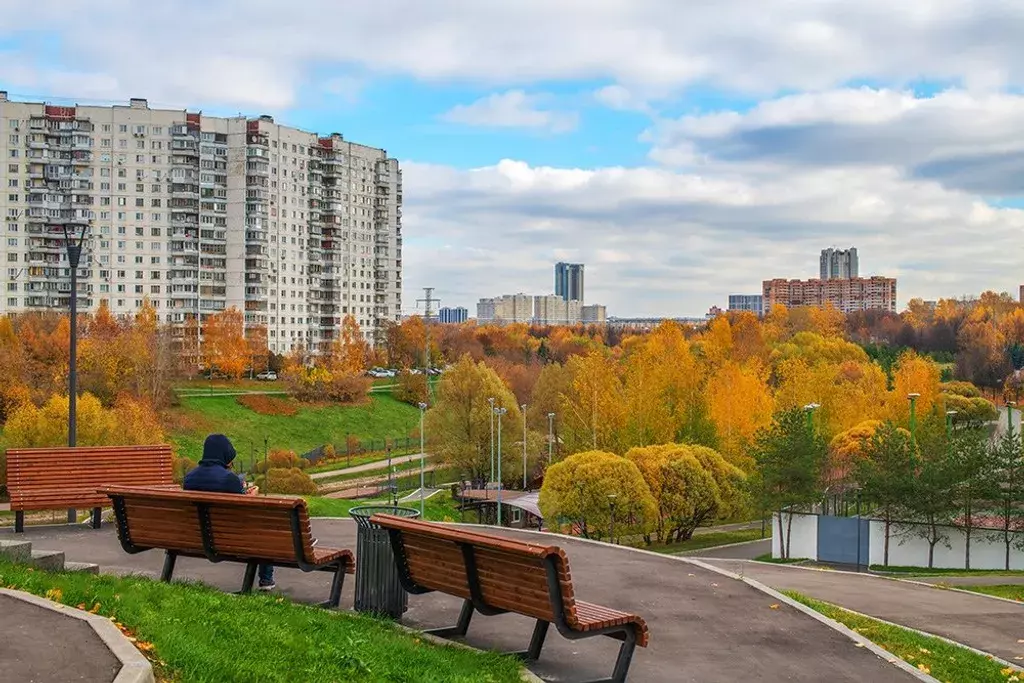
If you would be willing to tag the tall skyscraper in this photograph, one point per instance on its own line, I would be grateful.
(569, 281)
(839, 264)
(199, 214)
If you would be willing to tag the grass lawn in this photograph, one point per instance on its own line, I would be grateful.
(189, 424)
(938, 658)
(195, 633)
(767, 557)
(1010, 592)
(709, 540)
(924, 571)
(400, 470)
(438, 508)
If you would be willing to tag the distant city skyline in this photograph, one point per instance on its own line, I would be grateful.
(655, 144)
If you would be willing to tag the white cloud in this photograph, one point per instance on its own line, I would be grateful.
(968, 140)
(621, 98)
(511, 109)
(257, 52)
(658, 241)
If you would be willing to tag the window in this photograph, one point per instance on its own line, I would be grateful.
(155, 232)
(139, 201)
(140, 144)
(122, 144)
(140, 188)
(158, 130)
(121, 201)
(14, 154)
(13, 182)
(140, 158)
(105, 142)
(12, 168)
(156, 188)
(139, 232)
(123, 128)
(12, 197)
(156, 202)
(12, 241)
(139, 216)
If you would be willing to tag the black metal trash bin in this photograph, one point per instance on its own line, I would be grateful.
(378, 588)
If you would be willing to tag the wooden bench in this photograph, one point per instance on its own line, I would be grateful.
(67, 478)
(224, 527)
(495, 575)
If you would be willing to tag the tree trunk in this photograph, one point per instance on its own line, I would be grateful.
(789, 533)
(1006, 533)
(967, 537)
(782, 536)
(885, 554)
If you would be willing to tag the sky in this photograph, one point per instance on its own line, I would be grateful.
(683, 151)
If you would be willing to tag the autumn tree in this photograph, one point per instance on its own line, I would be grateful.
(224, 347)
(594, 412)
(128, 422)
(257, 347)
(459, 423)
(739, 404)
(581, 489)
(913, 374)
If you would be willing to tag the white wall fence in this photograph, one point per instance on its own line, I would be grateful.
(907, 545)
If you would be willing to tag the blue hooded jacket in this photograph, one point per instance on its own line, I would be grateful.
(213, 474)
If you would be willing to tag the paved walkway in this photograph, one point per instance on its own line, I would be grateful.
(993, 626)
(982, 580)
(743, 551)
(705, 627)
(40, 645)
(367, 467)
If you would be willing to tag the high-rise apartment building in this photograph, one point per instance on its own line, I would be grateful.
(847, 295)
(594, 314)
(569, 281)
(747, 302)
(453, 316)
(839, 264)
(199, 214)
(554, 310)
(510, 308)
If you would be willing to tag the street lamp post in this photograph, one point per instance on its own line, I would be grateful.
(611, 507)
(499, 412)
(913, 414)
(858, 528)
(551, 438)
(809, 409)
(1009, 418)
(74, 249)
(490, 402)
(523, 408)
(423, 412)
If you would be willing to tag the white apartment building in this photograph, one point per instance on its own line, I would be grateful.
(552, 309)
(594, 314)
(509, 308)
(198, 214)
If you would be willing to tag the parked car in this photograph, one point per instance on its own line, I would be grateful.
(268, 376)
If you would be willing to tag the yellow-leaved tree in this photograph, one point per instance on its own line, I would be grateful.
(690, 485)
(459, 423)
(739, 404)
(594, 412)
(128, 422)
(586, 489)
(913, 374)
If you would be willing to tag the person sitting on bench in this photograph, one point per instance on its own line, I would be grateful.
(214, 475)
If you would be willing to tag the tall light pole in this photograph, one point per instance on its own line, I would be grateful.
(499, 412)
(949, 423)
(551, 437)
(490, 402)
(523, 408)
(423, 412)
(913, 415)
(611, 506)
(74, 249)
(809, 409)
(1009, 417)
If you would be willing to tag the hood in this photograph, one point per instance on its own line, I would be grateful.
(217, 450)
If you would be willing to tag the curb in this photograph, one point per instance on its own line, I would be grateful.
(134, 667)
(885, 655)
(695, 553)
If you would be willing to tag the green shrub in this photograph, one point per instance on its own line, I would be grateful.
(181, 467)
(281, 459)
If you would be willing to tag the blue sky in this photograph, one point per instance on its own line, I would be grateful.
(682, 151)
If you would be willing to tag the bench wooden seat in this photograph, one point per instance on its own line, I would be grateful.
(495, 575)
(68, 478)
(225, 527)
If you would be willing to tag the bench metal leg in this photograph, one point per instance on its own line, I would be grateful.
(97, 517)
(337, 583)
(460, 628)
(170, 557)
(72, 516)
(625, 657)
(250, 576)
(540, 632)
(19, 522)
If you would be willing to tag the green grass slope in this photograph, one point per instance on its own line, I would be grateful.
(188, 425)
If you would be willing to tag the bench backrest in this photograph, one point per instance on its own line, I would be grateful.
(222, 524)
(53, 478)
(512, 574)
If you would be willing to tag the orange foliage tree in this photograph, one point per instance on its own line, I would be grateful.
(224, 347)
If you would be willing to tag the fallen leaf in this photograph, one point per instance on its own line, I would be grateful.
(80, 605)
(775, 606)
(858, 644)
(927, 652)
(924, 668)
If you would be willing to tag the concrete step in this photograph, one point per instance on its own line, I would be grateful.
(50, 560)
(83, 567)
(16, 551)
